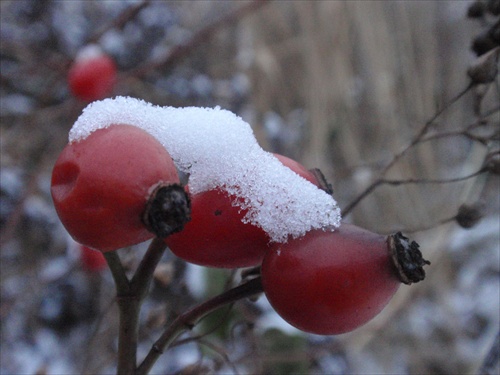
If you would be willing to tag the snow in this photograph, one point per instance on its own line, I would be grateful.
(89, 52)
(219, 150)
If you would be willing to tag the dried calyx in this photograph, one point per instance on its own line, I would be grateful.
(167, 211)
(485, 68)
(407, 258)
(469, 215)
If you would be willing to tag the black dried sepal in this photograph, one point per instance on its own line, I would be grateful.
(322, 181)
(167, 211)
(407, 258)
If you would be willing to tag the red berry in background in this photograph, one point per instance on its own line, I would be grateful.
(333, 282)
(92, 260)
(216, 236)
(92, 75)
(101, 185)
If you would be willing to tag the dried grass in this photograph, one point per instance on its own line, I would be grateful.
(370, 74)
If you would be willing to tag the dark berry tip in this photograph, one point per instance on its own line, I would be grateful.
(167, 211)
(407, 258)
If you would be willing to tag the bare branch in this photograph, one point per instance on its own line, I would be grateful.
(191, 317)
(418, 138)
(180, 51)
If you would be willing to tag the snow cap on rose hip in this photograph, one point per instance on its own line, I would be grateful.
(219, 150)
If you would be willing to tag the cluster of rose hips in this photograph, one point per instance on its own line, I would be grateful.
(119, 187)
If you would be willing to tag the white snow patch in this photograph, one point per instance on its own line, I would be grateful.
(219, 150)
(89, 52)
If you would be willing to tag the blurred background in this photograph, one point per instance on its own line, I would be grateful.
(344, 86)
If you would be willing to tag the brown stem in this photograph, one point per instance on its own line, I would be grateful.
(144, 273)
(121, 281)
(129, 307)
(120, 21)
(130, 295)
(360, 197)
(190, 318)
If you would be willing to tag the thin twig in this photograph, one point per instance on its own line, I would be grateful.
(120, 21)
(128, 316)
(144, 274)
(191, 317)
(431, 181)
(118, 272)
(130, 295)
(464, 133)
(180, 51)
(423, 131)
(128, 335)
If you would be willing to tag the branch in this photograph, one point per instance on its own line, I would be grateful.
(120, 21)
(129, 307)
(480, 139)
(130, 295)
(191, 317)
(144, 274)
(128, 334)
(115, 265)
(431, 181)
(182, 50)
(423, 131)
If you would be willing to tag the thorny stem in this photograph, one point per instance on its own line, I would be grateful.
(423, 131)
(190, 318)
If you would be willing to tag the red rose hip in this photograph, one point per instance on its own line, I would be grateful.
(333, 282)
(297, 168)
(101, 185)
(216, 235)
(92, 77)
(92, 261)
